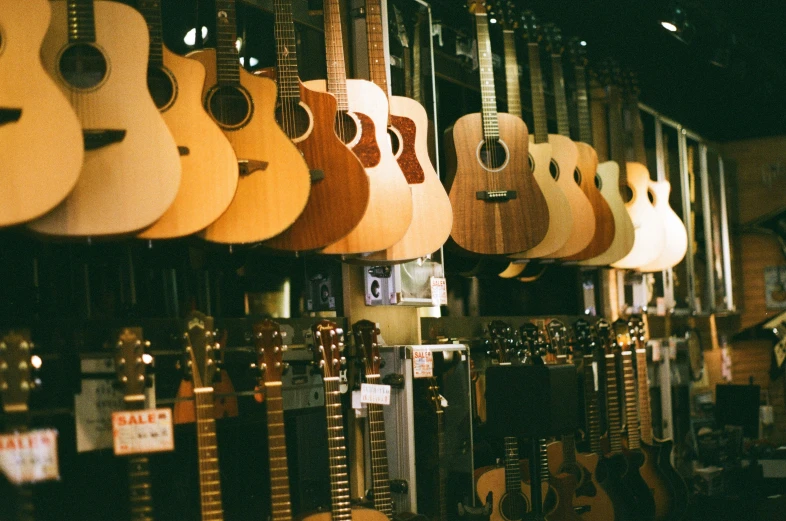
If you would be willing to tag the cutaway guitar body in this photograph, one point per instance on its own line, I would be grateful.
(676, 238)
(40, 136)
(589, 499)
(274, 182)
(131, 170)
(678, 489)
(656, 482)
(389, 211)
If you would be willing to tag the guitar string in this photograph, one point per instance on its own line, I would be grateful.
(335, 38)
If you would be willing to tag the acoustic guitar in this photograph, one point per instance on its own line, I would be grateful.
(208, 162)
(130, 371)
(40, 135)
(97, 54)
(327, 348)
(199, 363)
(362, 124)
(676, 238)
(498, 206)
(308, 117)
(432, 216)
(274, 182)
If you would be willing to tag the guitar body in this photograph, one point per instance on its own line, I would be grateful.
(678, 489)
(564, 487)
(358, 514)
(612, 473)
(487, 227)
(389, 211)
(592, 500)
(41, 146)
(636, 486)
(560, 215)
(656, 482)
(323, 222)
(432, 215)
(605, 227)
(269, 198)
(650, 236)
(127, 180)
(507, 506)
(676, 237)
(624, 232)
(208, 162)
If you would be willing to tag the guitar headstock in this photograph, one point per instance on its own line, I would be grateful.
(553, 37)
(327, 347)
(130, 361)
(638, 331)
(558, 337)
(534, 343)
(16, 370)
(269, 344)
(477, 7)
(532, 28)
(200, 350)
(622, 334)
(605, 337)
(365, 333)
(577, 51)
(508, 14)
(502, 342)
(583, 340)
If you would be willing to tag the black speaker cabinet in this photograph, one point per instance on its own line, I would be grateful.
(531, 401)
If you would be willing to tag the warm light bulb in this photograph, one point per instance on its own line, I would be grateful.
(669, 27)
(493, 20)
(583, 43)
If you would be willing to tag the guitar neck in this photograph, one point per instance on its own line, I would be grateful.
(337, 452)
(512, 73)
(631, 409)
(140, 495)
(639, 150)
(569, 448)
(81, 21)
(227, 59)
(151, 11)
(487, 92)
(665, 394)
(582, 104)
(512, 465)
(280, 503)
(286, 53)
(417, 79)
(334, 49)
(443, 501)
(207, 448)
(645, 409)
(560, 99)
(541, 133)
(378, 72)
(613, 405)
(379, 455)
(591, 407)
(617, 135)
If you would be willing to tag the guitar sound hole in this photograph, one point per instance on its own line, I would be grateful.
(395, 142)
(651, 197)
(577, 176)
(493, 155)
(161, 86)
(513, 506)
(598, 182)
(345, 127)
(554, 169)
(229, 105)
(626, 193)
(83, 66)
(292, 118)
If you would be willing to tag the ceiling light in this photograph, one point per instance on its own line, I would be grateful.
(583, 43)
(190, 37)
(675, 20)
(669, 27)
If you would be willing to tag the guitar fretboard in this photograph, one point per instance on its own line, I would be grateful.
(512, 73)
(81, 21)
(592, 409)
(639, 151)
(207, 448)
(334, 49)
(616, 134)
(613, 405)
(487, 93)
(631, 408)
(561, 101)
(280, 503)
(512, 465)
(379, 455)
(140, 495)
(151, 11)
(645, 410)
(286, 53)
(443, 478)
(541, 134)
(569, 449)
(337, 452)
(582, 104)
(228, 64)
(378, 72)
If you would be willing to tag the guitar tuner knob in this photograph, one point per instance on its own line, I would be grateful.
(285, 366)
(147, 344)
(284, 349)
(121, 361)
(140, 378)
(118, 344)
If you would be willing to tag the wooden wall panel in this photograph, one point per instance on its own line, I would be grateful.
(757, 253)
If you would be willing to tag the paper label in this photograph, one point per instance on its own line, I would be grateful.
(655, 350)
(422, 363)
(142, 432)
(29, 457)
(439, 291)
(93, 409)
(375, 393)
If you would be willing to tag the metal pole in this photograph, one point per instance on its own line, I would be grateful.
(709, 251)
(689, 255)
(725, 242)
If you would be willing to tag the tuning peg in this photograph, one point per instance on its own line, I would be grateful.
(284, 366)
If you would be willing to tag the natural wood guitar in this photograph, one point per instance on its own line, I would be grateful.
(208, 162)
(97, 54)
(274, 180)
(498, 205)
(40, 135)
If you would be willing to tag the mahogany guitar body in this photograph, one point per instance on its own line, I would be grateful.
(624, 232)
(650, 237)
(323, 221)
(358, 514)
(209, 164)
(275, 183)
(629, 493)
(676, 236)
(389, 211)
(494, 227)
(41, 148)
(589, 497)
(432, 215)
(131, 170)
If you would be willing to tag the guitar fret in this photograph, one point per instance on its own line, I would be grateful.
(487, 90)
(81, 21)
(227, 59)
(512, 73)
(541, 134)
(376, 51)
(563, 121)
(334, 50)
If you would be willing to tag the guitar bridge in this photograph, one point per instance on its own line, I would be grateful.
(496, 196)
(99, 138)
(9, 115)
(249, 166)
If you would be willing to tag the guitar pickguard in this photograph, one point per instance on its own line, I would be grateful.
(408, 160)
(367, 148)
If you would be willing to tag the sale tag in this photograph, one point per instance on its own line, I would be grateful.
(375, 393)
(439, 291)
(29, 457)
(422, 363)
(141, 432)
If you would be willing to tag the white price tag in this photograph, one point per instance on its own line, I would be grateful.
(142, 432)
(439, 291)
(375, 393)
(29, 457)
(655, 350)
(422, 363)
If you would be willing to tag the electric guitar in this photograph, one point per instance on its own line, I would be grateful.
(200, 366)
(40, 135)
(206, 156)
(432, 216)
(362, 123)
(327, 347)
(131, 170)
(274, 182)
(308, 118)
(130, 371)
(498, 205)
